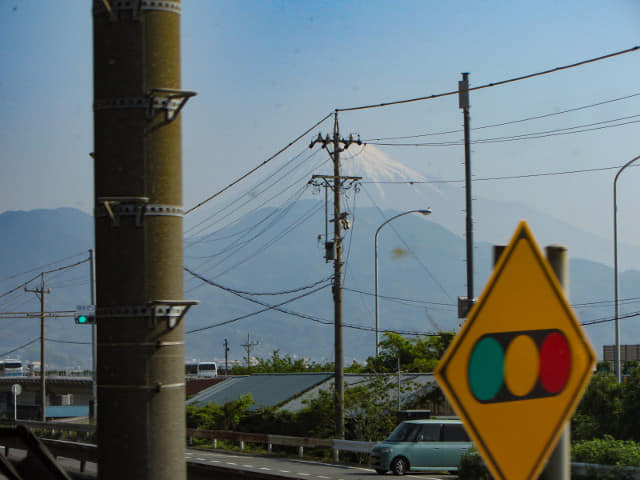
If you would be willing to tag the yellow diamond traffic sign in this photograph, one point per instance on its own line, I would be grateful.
(518, 367)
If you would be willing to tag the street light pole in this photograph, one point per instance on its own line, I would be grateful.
(615, 267)
(375, 248)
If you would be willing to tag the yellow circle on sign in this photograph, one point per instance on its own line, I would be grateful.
(521, 365)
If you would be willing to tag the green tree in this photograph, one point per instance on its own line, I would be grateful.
(219, 417)
(630, 420)
(420, 354)
(601, 409)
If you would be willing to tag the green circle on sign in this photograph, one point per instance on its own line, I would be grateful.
(486, 369)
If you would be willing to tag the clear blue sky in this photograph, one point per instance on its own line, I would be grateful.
(267, 70)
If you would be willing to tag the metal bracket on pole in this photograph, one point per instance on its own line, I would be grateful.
(171, 310)
(117, 206)
(113, 7)
(170, 100)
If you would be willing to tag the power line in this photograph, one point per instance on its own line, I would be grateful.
(42, 266)
(408, 300)
(525, 136)
(511, 122)
(4, 354)
(506, 177)
(242, 292)
(258, 167)
(424, 267)
(253, 195)
(493, 84)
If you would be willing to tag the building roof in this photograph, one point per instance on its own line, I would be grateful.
(267, 390)
(289, 390)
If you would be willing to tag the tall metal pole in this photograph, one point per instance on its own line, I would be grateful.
(94, 333)
(375, 255)
(337, 284)
(463, 94)
(139, 234)
(615, 269)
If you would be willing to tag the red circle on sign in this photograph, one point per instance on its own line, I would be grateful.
(555, 362)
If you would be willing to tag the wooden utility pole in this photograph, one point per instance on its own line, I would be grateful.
(138, 231)
(334, 251)
(40, 293)
(249, 345)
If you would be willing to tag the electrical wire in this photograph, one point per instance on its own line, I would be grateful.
(493, 84)
(506, 177)
(258, 167)
(42, 266)
(515, 138)
(405, 300)
(253, 194)
(424, 267)
(4, 354)
(242, 292)
(511, 122)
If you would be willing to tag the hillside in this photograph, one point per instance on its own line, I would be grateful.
(273, 251)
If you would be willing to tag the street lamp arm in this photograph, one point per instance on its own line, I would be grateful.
(615, 267)
(426, 211)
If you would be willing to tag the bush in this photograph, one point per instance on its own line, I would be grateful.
(472, 467)
(607, 451)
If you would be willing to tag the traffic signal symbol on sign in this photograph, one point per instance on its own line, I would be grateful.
(516, 370)
(512, 366)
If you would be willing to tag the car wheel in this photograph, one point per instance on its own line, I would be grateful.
(380, 471)
(399, 466)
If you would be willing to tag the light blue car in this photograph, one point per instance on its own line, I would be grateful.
(421, 445)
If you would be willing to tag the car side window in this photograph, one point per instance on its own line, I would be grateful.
(429, 433)
(454, 433)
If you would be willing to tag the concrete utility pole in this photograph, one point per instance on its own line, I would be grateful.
(248, 346)
(463, 102)
(40, 293)
(138, 231)
(334, 250)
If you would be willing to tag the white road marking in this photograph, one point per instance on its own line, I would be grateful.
(265, 468)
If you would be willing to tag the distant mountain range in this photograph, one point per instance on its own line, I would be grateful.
(421, 274)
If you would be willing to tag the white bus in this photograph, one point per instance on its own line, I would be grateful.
(197, 368)
(11, 367)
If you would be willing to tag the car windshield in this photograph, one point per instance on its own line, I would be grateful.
(405, 432)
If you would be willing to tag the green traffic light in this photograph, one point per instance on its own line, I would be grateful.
(82, 319)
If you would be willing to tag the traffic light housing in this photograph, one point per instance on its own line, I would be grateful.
(85, 315)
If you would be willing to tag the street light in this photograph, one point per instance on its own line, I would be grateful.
(423, 212)
(615, 266)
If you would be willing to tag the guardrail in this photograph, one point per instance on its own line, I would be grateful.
(85, 452)
(283, 440)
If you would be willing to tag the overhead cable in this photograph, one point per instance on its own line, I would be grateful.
(258, 167)
(4, 354)
(510, 122)
(493, 84)
(507, 177)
